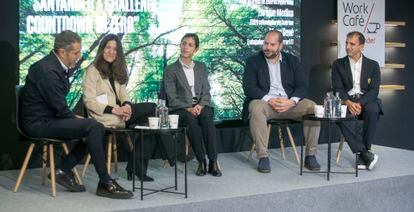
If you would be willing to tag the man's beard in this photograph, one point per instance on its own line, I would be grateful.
(273, 55)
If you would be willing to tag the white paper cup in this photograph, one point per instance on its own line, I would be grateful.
(153, 122)
(318, 110)
(173, 121)
(343, 111)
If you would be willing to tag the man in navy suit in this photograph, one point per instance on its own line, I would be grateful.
(45, 114)
(357, 79)
(275, 88)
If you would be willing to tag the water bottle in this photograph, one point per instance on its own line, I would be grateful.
(157, 109)
(337, 106)
(162, 113)
(327, 105)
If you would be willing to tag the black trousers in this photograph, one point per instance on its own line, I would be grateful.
(201, 132)
(93, 131)
(360, 139)
(161, 142)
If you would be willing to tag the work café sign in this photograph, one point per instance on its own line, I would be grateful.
(368, 17)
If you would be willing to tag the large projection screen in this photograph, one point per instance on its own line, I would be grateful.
(229, 30)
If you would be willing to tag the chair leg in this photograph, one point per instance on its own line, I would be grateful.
(339, 151)
(282, 145)
(130, 144)
(292, 143)
(164, 164)
(85, 166)
(187, 143)
(75, 171)
(108, 161)
(44, 160)
(218, 165)
(269, 128)
(24, 166)
(251, 151)
(52, 169)
(115, 152)
(186, 148)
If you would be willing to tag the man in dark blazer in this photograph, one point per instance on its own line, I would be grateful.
(357, 79)
(45, 113)
(275, 88)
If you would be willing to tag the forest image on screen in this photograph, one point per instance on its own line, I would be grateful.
(229, 31)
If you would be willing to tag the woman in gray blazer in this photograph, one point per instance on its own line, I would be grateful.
(188, 95)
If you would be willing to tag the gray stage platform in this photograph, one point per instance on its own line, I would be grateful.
(389, 187)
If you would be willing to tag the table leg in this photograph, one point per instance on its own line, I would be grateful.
(185, 166)
(356, 165)
(356, 154)
(142, 165)
(175, 155)
(329, 149)
(133, 162)
(301, 151)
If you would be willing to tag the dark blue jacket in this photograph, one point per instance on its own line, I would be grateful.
(370, 81)
(256, 78)
(44, 93)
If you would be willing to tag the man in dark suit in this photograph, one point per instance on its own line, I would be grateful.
(45, 113)
(275, 86)
(357, 79)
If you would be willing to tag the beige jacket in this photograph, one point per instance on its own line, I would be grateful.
(98, 93)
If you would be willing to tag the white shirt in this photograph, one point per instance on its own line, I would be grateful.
(189, 74)
(356, 76)
(276, 87)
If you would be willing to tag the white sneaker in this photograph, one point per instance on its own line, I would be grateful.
(373, 162)
(370, 159)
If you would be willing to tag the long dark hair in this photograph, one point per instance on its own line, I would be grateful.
(117, 69)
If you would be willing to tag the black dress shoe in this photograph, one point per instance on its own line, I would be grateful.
(146, 177)
(171, 162)
(201, 170)
(67, 180)
(113, 190)
(264, 165)
(311, 163)
(213, 168)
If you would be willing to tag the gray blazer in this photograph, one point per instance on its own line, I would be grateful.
(178, 90)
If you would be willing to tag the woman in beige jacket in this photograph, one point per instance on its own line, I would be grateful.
(107, 101)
